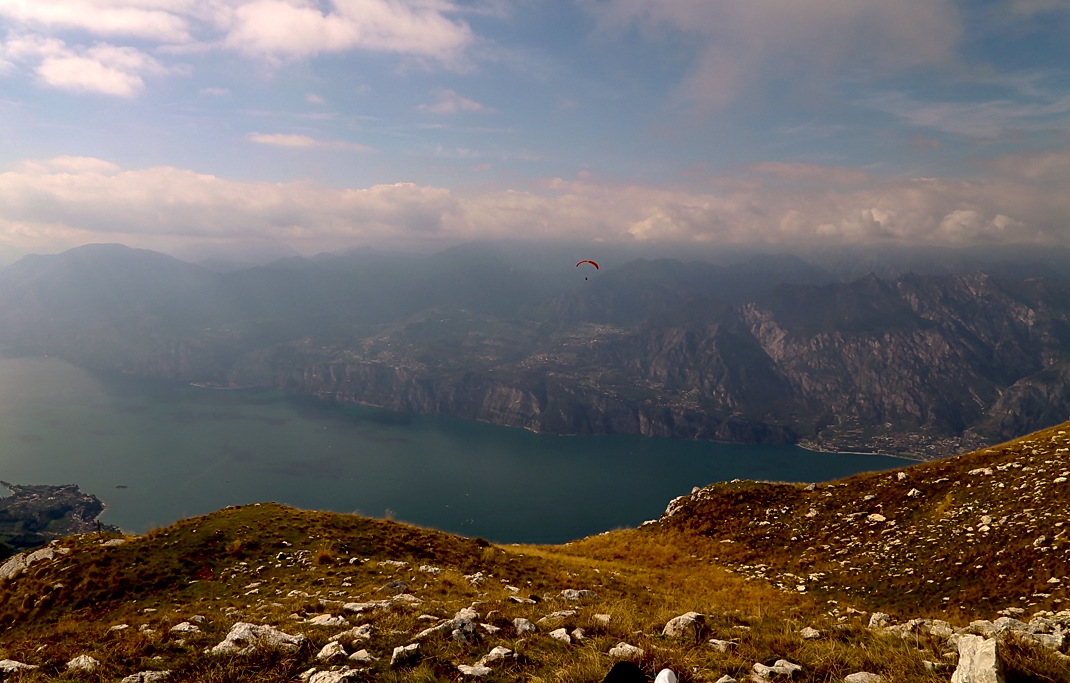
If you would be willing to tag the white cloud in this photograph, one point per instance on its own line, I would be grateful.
(60, 202)
(215, 92)
(147, 19)
(102, 68)
(449, 102)
(739, 42)
(271, 30)
(304, 142)
(295, 29)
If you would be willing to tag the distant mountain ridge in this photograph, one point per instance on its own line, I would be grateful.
(769, 350)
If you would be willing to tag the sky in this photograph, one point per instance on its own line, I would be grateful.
(215, 127)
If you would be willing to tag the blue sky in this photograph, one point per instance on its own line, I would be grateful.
(326, 124)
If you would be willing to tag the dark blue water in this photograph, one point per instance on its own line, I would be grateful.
(182, 451)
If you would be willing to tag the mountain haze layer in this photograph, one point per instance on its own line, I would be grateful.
(771, 349)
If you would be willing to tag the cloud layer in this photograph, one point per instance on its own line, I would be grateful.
(61, 202)
(73, 44)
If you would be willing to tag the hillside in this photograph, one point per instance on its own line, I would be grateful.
(771, 571)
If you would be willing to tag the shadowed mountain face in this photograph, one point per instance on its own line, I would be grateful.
(769, 350)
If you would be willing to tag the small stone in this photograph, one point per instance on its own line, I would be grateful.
(862, 677)
(721, 645)
(497, 654)
(83, 663)
(879, 620)
(476, 671)
(184, 627)
(331, 651)
(327, 620)
(726, 678)
(146, 677)
(625, 651)
(577, 634)
(562, 635)
(363, 656)
(404, 653)
(810, 633)
(8, 666)
(573, 594)
(691, 625)
(602, 619)
(523, 626)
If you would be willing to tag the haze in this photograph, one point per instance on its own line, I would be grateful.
(268, 127)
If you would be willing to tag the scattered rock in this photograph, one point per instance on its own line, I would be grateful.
(781, 667)
(476, 671)
(625, 651)
(362, 632)
(184, 627)
(573, 594)
(497, 654)
(879, 620)
(523, 626)
(602, 619)
(691, 625)
(333, 650)
(726, 678)
(327, 620)
(363, 656)
(721, 645)
(404, 654)
(83, 663)
(810, 633)
(244, 638)
(862, 677)
(562, 635)
(395, 587)
(146, 677)
(556, 617)
(979, 660)
(8, 666)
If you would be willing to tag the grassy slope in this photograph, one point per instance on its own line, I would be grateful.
(204, 566)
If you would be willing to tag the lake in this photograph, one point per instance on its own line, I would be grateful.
(156, 452)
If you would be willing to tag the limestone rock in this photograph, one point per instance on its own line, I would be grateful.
(497, 654)
(333, 650)
(879, 620)
(562, 635)
(781, 667)
(184, 627)
(979, 660)
(18, 563)
(146, 677)
(573, 594)
(625, 651)
(327, 620)
(862, 677)
(83, 663)
(363, 656)
(602, 619)
(476, 671)
(8, 666)
(395, 587)
(691, 625)
(726, 679)
(404, 653)
(523, 626)
(721, 645)
(810, 633)
(556, 617)
(244, 637)
(362, 632)
(333, 676)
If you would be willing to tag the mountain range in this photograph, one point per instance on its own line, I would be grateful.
(769, 349)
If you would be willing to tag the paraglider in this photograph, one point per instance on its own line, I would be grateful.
(588, 261)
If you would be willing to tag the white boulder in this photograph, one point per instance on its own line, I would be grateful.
(979, 660)
(244, 638)
(83, 663)
(625, 651)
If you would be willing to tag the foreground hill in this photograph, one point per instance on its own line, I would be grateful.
(735, 582)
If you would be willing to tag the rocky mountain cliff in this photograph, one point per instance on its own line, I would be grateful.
(766, 351)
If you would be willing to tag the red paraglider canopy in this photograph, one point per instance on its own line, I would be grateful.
(586, 261)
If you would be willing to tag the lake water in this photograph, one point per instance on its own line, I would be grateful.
(180, 451)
